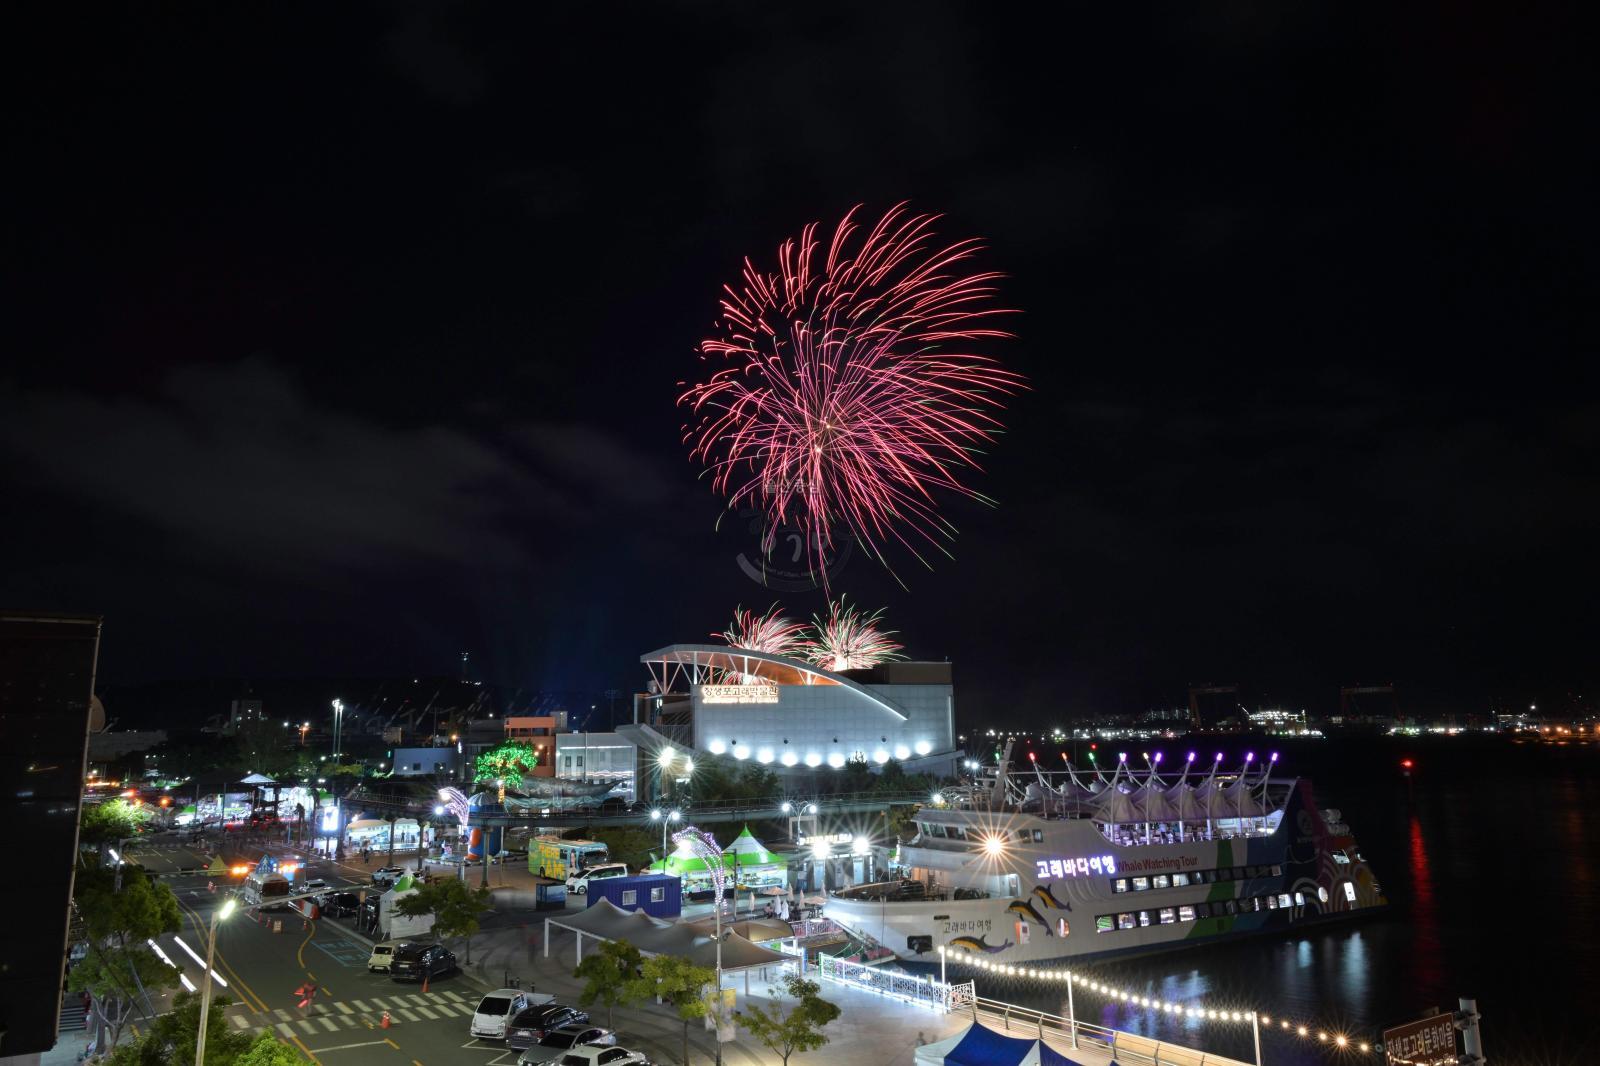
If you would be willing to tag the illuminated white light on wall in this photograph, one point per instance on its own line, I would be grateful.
(813, 759)
(923, 747)
(741, 751)
(820, 848)
(860, 846)
(789, 758)
(764, 756)
(902, 752)
(880, 756)
(716, 747)
(836, 759)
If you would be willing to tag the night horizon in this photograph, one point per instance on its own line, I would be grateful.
(346, 369)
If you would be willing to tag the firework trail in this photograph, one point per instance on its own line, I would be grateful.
(773, 633)
(844, 388)
(848, 639)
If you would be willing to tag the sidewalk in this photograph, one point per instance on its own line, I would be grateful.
(872, 1030)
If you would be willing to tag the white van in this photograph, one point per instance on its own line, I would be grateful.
(496, 1010)
(382, 955)
(579, 882)
(265, 890)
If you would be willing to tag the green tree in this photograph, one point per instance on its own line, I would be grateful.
(171, 1038)
(111, 821)
(120, 969)
(455, 908)
(505, 762)
(267, 1050)
(611, 975)
(627, 844)
(798, 1030)
(678, 982)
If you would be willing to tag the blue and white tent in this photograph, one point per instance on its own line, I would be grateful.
(979, 1045)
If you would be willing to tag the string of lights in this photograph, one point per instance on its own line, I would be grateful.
(1268, 1022)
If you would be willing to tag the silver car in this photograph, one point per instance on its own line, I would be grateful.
(558, 1042)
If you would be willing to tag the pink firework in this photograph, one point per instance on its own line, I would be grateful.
(772, 632)
(848, 639)
(846, 388)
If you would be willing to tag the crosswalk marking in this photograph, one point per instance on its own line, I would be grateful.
(453, 995)
(449, 1010)
(380, 1004)
(284, 1028)
(329, 1024)
(360, 1005)
(281, 1014)
(306, 1026)
(408, 1015)
(344, 1008)
(428, 1014)
(239, 1022)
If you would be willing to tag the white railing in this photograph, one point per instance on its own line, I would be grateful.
(1123, 1047)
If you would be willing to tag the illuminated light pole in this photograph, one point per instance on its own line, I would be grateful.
(666, 818)
(704, 845)
(220, 915)
(338, 727)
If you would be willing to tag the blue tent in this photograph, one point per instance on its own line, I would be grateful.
(982, 1046)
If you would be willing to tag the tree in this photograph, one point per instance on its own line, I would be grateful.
(268, 1050)
(455, 908)
(505, 762)
(798, 1030)
(612, 976)
(627, 844)
(678, 982)
(111, 821)
(120, 967)
(172, 1037)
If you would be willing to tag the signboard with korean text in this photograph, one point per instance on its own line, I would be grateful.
(1425, 1042)
(738, 693)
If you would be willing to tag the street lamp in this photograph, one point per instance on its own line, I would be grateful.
(666, 818)
(220, 915)
(338, 726)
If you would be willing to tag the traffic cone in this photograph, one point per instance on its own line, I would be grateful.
(385, 1022)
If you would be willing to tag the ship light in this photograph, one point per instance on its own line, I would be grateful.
(993, 845)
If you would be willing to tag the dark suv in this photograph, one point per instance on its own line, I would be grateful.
(415, 962)
(535, 1023)
(338, 904)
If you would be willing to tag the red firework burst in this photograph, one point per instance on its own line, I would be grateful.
(772, 632)
(850, 391)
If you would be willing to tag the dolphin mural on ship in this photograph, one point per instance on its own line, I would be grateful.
(979, 944)
(1043, 894)
(1023, 909)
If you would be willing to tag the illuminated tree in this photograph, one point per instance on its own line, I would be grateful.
(505, 762)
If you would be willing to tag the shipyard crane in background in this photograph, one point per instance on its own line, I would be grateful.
(1205, 688)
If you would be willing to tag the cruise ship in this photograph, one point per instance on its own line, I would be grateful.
(1032, 867)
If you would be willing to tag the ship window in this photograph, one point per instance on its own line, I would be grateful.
(1179, 879)
(1161, 881)
(1225, 874)
(1341, 858)
(956, 832)
(1038, 836)
(1022, 835)
(1203, 876)
(1144, 918)
(1185, 914)
(1277, 871)
(1141, 883)
(1168, 915)
(1272, 903)
(1350, 891)
(1230, 906)
(1299, 899)
(1120, 885)
(1258, 871)
(1283, 899)
(1125, 921)
(1104, 923)
(1322, 893)
(1256, 903)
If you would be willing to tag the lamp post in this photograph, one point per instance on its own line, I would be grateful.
(665, 818)
(338, 727)
(220, 915)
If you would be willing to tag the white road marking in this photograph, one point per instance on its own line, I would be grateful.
(360, 1005)
(428, 1014)
(457, 996)
(239, 1022)
(329, 1024)
(380, 1004)
(347, 1047)
(284, 1028)
(343, 1007)
(306, 1026)
(409, 1015)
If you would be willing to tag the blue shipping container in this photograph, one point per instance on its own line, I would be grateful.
(658, 895)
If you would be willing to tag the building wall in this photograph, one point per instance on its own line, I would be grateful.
(538, 730)
(412, 762)
(598, 756)
(825, 720)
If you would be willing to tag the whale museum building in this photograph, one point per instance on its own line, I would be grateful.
(792, 716)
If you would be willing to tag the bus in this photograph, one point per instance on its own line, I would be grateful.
(265, 890)
(560, 859)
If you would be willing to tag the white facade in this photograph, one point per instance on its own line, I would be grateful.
(828, 725)
(598, 757)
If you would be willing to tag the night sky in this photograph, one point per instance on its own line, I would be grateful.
(343, 344)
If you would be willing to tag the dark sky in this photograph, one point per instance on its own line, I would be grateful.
(341, 344)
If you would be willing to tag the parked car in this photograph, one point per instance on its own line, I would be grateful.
(603, 1056)
(417, 962)
(579, 882)
(499, 1007)
(316, 886)
(382, 955)
(388, 875)
(338, 904)
(535, 1023)
(560, 1041)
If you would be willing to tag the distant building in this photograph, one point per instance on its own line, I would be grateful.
(599, 757)
(417, 762)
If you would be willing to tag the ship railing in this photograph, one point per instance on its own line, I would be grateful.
(1114, 1043)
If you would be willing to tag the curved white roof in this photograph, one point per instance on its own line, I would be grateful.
(778, 669)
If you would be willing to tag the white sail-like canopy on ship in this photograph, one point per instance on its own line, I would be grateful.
(1186, 807)
(1118, 807)
(1153, 804)
(1239, 799)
